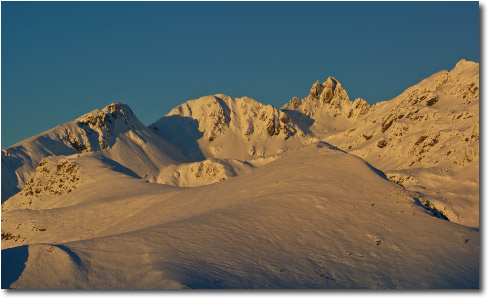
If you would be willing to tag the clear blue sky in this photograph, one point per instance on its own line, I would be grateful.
(62, 60)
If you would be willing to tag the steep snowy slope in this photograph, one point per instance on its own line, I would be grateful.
(427, 139)
(314, 218)
(113, 132)
(231, 128)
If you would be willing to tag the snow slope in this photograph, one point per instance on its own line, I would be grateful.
(314, 218)
(114, 132)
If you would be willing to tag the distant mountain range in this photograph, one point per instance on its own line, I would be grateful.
(105, 179)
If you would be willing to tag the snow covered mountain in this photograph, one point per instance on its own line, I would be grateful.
(416, 127)
(426, 139)
(231, 128)
(323, 193)
(113, 132)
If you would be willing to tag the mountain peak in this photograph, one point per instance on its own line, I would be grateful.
(467, 69)
(106, 118)
(98, 129)
(329, 98)
(118, 107)
(328, 90)
(464, 63)
(205, 127)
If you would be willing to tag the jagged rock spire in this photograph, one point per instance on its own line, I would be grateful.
(331, 98)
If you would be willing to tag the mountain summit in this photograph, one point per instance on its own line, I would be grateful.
(329, 106)
(226, 127)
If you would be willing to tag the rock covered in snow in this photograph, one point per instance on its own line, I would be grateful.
(99, 128)
(53, 178)
(204, 172)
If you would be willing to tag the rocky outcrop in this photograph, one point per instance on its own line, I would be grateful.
(204, 172)
(53, 178)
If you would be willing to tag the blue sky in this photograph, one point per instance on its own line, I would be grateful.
(62, 60)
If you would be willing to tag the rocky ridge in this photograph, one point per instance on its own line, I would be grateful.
(435, 121)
